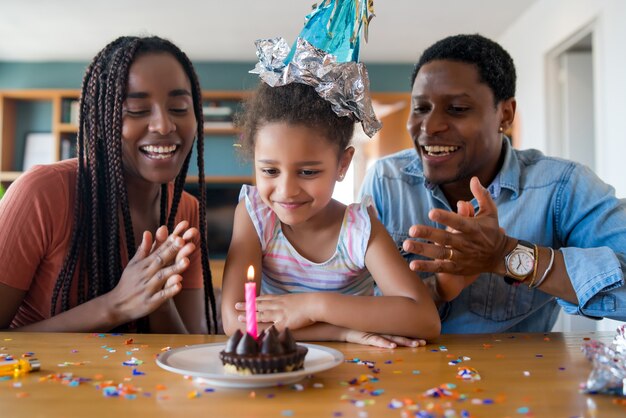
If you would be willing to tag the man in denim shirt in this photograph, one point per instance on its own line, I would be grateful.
(545, 232)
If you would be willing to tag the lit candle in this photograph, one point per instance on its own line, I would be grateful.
(251, 326)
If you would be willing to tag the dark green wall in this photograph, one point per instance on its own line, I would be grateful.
(213, 76)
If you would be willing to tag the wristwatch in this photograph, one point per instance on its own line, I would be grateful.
(520, 262)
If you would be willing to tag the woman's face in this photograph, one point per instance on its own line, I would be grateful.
(159, 123)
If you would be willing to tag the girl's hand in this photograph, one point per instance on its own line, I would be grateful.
(285, 311)
(381, 340)
(152, 276)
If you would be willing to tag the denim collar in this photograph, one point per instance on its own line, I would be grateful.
(508, 177)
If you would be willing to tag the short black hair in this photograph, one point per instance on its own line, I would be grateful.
(295, 104)
(495, 66)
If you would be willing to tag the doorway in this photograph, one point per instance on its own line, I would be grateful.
(571, 127)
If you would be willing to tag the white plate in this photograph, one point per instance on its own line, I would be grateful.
(202, 361)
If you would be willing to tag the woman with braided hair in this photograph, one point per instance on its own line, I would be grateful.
(110, 240)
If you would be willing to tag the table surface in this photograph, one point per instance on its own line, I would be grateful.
(535, 375)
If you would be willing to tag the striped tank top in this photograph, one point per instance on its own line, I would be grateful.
(286, 271)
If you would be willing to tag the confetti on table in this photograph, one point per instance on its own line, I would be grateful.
(193, 394)
(287, 413)
(128, 341)
(395, 404)
(133, 362)
(72, 363)
(468, 374)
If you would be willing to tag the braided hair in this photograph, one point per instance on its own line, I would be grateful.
(100, 188)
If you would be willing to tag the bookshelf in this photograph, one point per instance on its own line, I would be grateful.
(26, 111)
(56, 111)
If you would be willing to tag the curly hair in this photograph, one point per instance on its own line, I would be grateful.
(295, 104)
(101, 193)
(495, 66)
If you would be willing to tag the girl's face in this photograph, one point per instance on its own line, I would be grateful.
(159, 124)
(296, 170)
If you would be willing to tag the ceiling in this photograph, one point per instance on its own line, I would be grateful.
(225, 30)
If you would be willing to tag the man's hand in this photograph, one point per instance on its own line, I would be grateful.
(469, 245)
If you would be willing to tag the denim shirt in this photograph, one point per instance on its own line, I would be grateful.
(548, 201)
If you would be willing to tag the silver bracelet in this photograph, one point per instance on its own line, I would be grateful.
(545, 273)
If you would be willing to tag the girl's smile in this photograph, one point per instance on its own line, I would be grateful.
(296, 170)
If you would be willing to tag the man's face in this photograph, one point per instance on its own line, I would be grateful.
(455, 124)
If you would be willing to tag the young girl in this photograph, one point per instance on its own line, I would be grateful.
(69, 229)
(315, 254)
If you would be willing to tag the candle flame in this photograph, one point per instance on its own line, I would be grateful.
(250, 273)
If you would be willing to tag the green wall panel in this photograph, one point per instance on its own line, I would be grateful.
(212, 75)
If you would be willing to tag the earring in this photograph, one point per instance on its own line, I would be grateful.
(501, 129)
(341, 176)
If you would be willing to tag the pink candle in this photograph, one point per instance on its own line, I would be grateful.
(251, 326)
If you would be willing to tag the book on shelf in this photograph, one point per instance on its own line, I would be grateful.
(219, 124)
(69, 111)
(74, 111)
(215, 113)
(68, 148)
(38, 149)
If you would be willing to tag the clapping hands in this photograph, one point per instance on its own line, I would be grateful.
(153, 275)
(470, 245)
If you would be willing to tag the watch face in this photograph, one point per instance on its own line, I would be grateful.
(521, 263)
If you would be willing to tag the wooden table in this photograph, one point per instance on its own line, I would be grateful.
(521, 375)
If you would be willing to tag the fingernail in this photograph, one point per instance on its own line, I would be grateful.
(182, 262)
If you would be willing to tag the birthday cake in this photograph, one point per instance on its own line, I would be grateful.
(273, 352)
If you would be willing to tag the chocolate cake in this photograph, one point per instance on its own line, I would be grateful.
(271, 353)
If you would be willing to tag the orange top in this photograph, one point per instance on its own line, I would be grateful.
(36, 218)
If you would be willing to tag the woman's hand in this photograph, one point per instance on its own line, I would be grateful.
(153, 275)
(285, 311)
(381, 340)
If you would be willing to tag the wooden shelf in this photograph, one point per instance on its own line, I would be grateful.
(68, 128)
(220, 131)
(7, 176)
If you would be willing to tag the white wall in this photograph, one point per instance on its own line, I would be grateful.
(546, 25)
